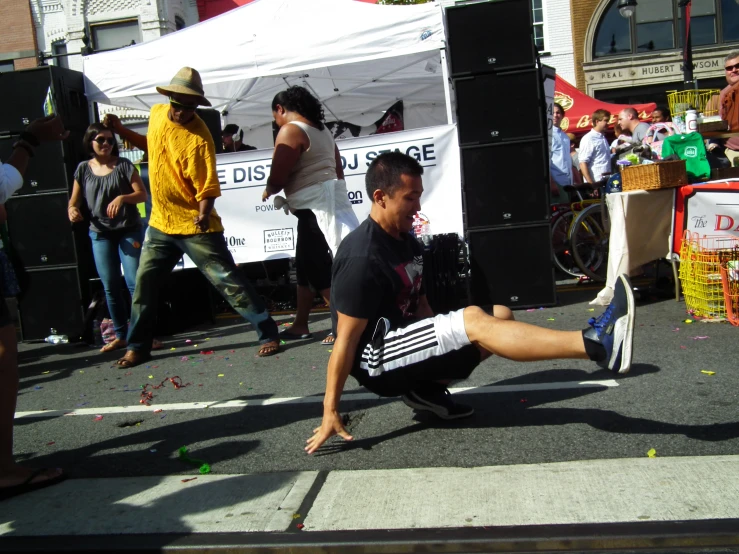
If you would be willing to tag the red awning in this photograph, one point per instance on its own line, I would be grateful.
(579, 107)
(212, 8)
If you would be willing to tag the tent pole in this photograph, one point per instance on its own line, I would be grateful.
(447, 91)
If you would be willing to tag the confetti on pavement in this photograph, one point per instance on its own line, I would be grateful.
(652, 453)
(706, 372)
(98, 418)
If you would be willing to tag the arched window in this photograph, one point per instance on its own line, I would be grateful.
(657, 26)
(179, 23)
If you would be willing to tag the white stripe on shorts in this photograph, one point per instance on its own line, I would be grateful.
(419, 341)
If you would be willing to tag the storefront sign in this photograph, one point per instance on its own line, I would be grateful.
(257, 231)
(669, 70)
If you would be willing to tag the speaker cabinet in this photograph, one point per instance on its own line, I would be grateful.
(490, 36)
(506, 183)
(512, 266)
(485, 110)
(40, 231)
(52, 301)
(27, 92)
(51, 168)
(212, 119)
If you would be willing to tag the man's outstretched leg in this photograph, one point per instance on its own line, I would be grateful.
(608, 340)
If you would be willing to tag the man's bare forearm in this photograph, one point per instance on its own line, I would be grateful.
(587, 177)
(139, 141)
(339, 367)
(206, 205)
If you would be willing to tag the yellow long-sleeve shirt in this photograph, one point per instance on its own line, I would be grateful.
(182, 172)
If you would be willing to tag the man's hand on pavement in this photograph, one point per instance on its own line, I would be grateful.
(330, 426)
(47, 129)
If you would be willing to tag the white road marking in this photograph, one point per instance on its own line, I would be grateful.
(137, 408)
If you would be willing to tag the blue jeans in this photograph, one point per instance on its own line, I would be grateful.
(210, 254)
(111, 249)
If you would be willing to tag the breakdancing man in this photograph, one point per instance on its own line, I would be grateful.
(389, 339)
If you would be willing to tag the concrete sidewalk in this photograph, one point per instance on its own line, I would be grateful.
(583, 492)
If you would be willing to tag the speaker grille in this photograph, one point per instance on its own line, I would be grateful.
(499, 107)
(506, 184)
(512, 266)
(490, 36)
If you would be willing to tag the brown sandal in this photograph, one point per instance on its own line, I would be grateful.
(269, 349)
(133, 358)
(115, 344)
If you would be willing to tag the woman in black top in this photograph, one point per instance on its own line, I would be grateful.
(111, 187)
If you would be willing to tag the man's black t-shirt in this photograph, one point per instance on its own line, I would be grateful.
(376, 276)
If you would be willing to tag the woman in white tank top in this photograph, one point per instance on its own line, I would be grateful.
(306, 166)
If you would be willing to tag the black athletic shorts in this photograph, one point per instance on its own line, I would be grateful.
(312, 254)
(452, 366)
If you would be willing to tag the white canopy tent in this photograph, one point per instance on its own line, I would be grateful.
(358, 58)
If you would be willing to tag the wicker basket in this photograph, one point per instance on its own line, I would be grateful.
(712, 126)
(659, 175)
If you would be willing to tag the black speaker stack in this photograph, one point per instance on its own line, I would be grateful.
(53, 256)
(502, 129)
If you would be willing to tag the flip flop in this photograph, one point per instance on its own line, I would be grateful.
(132, 358)
(269, 349)
(28, 486)
(329, 340)
(289, 335)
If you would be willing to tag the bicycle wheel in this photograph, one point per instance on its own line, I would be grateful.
(589, 243)
(561, 250)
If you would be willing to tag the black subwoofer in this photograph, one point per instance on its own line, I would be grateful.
(512, 266)
(498, 107)
(506, 183)
(490, 36)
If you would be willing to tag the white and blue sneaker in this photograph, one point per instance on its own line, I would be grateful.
(614, 329)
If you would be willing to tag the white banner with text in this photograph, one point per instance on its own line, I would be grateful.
(257, 231)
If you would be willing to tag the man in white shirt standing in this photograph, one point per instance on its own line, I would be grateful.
(595, 152)
(561, 171)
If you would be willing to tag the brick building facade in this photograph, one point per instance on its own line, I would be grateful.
(639, 68)
(18, 39)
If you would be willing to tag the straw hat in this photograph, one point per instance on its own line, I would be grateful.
(186, 81)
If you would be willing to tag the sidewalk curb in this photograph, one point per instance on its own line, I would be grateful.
(672, 536)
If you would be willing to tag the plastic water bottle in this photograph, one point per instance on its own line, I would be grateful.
(54, 338)
(691, 121)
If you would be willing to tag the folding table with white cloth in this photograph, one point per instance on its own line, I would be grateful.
(641, 232)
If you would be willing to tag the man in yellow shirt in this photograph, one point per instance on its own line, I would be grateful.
(184, 187)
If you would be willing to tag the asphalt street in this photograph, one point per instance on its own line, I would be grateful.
(665, 403)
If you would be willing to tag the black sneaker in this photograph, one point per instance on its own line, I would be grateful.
(437, 401)
(614, 329)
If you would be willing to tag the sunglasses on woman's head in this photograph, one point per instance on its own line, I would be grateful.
(103, 140)
(180, 106)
